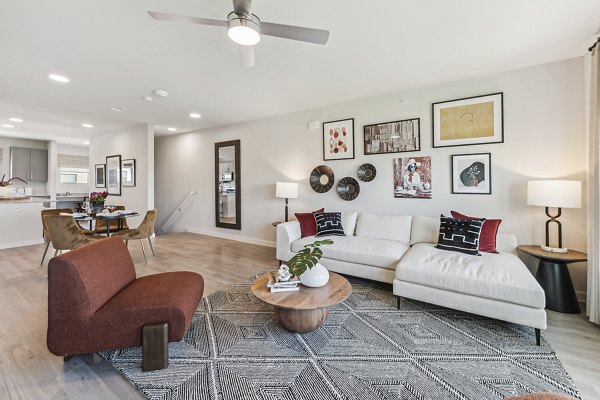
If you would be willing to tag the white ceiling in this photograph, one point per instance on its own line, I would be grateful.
(114, 54)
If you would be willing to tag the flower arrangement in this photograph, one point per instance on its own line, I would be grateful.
(98, 197)
(4, 183)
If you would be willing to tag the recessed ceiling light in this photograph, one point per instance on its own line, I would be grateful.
(86, 142)
(148, 98)
(118, 109)
(8, 126)
(171, 129)
(15, 119)
(59, 78)
(87, 125)
(195, 115)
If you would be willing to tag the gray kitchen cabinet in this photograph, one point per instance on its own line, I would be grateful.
(29, 164)
(39, 165)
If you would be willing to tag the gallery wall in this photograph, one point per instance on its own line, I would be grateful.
(135, 142)
(544, 137)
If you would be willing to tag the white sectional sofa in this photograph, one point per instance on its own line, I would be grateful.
(401, 250)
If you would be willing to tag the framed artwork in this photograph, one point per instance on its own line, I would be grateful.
(100, 175)
(472, 173)
(412, 178)
(469, 121)
(393, 137)
(128, 172)
(113, 175)
(338, 140)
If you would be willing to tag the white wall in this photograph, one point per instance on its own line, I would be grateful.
(134, 142)
(73, 187)
(39, 188)
(544, 138)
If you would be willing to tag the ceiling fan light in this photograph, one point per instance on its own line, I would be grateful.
(243, 30)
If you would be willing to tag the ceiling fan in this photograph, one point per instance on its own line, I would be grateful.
(245, 29)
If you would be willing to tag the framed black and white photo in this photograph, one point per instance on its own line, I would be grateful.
(468, 121)
(113, 175)
(128, 172)
(100, 175)
(393, 137)
(338, 140)
(472, 173)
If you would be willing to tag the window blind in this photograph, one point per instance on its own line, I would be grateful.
(72, 161)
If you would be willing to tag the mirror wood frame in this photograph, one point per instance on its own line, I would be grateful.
(237, 180)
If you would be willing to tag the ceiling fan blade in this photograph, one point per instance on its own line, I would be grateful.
(310, 35)
(182, 18)
(246, 56)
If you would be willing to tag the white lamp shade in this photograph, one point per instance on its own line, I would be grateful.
(554, 193)
(286, 190)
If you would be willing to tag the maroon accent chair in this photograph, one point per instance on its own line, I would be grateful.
(96, 303)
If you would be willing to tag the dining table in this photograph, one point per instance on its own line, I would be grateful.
(119, 216)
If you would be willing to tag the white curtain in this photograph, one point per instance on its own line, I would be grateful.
(593, 268)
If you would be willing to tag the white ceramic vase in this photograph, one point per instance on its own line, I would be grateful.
(6, 191)
(316, 276)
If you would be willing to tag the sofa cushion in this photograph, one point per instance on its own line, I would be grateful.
(460, 235)
(386, 227)
(349, 222)
(375, 252)
(329, 224)
(424, 229)
(487, 239)
(308, 226)
(501, 276)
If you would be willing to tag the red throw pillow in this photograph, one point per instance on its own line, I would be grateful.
(308, 226)
(487, 239)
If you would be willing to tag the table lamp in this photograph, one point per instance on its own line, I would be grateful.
(554, 194)
(286, 190)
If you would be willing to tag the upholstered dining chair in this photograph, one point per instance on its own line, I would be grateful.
(100, 227)
(66, 234)
(46, 234)
(144, 231)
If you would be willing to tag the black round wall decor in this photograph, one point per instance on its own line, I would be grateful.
(321, 179)
(348, 188)
(367, 172)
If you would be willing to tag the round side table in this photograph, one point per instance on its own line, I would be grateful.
(553, 275)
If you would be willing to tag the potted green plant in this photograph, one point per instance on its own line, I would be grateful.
(305, 264)
(5, 186)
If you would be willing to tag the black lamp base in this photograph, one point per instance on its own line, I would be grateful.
(554, 218)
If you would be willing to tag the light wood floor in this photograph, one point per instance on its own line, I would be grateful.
(29, 371)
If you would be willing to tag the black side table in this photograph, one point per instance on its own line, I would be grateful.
(553, 275)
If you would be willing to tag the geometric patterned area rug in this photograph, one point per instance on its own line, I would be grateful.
(367, 349)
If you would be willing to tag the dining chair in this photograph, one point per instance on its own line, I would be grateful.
(100, 227)
(66, 234)
(46, 234)
(144, 231)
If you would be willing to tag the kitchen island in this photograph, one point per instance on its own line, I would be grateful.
(21, 222)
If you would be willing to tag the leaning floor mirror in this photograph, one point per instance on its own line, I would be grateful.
(228, 200)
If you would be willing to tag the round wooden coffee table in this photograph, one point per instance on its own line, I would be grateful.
(305, 310)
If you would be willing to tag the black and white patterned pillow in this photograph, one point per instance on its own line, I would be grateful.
(460, 235)
(329, 224)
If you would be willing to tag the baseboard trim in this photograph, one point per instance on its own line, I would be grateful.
(581, 296)
(237, 238)
(23, 243)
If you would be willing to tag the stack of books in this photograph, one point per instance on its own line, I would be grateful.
(277, 285)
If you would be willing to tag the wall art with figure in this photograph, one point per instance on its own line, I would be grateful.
(412, 178)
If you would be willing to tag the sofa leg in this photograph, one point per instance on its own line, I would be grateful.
(67, 358)
(155, 346)
(538, 336)
(398, 302)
